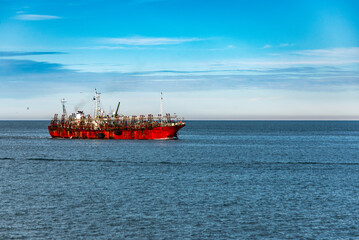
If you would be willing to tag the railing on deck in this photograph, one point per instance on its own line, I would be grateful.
(116, 122)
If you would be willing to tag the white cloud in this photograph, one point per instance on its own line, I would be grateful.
(286, 45)
(314, 57)
(333, 52)
(257, 99)
(104, 48)
(35, 17)
(148, 41)
(280, 45)
(224, 48)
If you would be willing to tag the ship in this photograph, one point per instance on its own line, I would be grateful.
(115, 126)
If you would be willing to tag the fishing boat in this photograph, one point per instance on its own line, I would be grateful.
(115, 126)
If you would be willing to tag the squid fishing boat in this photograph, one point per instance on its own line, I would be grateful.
(116, 126)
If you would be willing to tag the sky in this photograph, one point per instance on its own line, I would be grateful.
(232, 60)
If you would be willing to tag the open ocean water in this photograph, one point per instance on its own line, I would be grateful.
(220, 180)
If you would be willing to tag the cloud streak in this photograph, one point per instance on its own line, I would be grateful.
(15, 53)
(304, 78)
(35, 17)
(148, 41)
(333, 52)
(11, 67)
(291, 71)
(282, 45)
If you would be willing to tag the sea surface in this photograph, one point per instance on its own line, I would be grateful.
(219, 180)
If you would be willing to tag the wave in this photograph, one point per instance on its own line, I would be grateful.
(154, 163)
(321, 163)
(7, 158)
(66, 160)
(104, 161)
(24, 137)
(288, 163)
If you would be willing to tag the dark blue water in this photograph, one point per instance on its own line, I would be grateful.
(220, 180)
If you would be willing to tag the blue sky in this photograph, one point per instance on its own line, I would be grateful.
(212, 59)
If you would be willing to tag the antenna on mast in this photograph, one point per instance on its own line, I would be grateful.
(161, 104)
(161, 107)
(63, 101)
(97, 110)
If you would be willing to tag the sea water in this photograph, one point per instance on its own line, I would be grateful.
(219, 180)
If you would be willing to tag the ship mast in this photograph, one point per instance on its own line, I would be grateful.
(161, 107)
(63, 101)
(97, 110)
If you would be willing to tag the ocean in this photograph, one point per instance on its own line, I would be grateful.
(219, 180)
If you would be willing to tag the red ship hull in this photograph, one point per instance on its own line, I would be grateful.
(165, 132)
